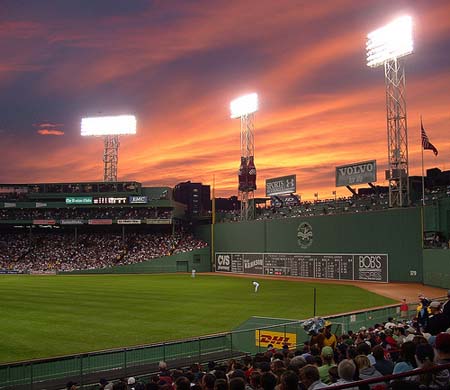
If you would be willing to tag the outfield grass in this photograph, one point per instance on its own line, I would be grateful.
(46, 316)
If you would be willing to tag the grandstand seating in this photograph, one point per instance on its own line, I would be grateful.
(52, 251)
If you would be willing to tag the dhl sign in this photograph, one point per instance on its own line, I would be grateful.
(277, 339)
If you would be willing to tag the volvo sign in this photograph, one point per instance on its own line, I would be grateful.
(356, 173)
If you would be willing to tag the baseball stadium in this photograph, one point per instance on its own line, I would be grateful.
(119, 284)
(99, 282)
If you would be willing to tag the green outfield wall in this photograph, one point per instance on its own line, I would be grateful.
(436, 267)
(395, 232)
(198, 259)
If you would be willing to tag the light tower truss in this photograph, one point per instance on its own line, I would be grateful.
(247, 195)
(386, 46)
(110, 157)
(397, 133)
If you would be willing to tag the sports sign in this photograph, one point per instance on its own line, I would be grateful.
(110, 200)
(157, 221)
(265, 337)
(138, 199)
(100, 221)
(71, 222)
(129, 221)
(356, 173)
(371, 267)
(79, 200)
(44, 222)
(285, 200)
(281, 185)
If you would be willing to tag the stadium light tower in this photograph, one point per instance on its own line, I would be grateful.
(386, 46)
(244, 108)
(110, 127)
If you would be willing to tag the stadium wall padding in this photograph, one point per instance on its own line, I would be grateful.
(436, 267)
(396, 232)
(198, 259)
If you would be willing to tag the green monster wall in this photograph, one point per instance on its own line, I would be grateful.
(396, 232)
(436, 267)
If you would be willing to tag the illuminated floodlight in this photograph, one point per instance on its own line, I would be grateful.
(244, 105)
(108, 125)
(392, 41)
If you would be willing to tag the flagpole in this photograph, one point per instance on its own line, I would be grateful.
(213, 221)
(422, 211)
(423, 173)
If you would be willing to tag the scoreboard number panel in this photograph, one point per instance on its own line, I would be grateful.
(333, 266)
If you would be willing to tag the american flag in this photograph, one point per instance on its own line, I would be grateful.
(426, 144)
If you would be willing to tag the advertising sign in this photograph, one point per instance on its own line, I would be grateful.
(72, 222)
(129, 221)
(79, 200)
(110, 200)
(100, 222)
(371, 267)
(253, 263)
(44, 222)
(223, 263)
(356, 173)
(156, 221)
(265, 337)
(7, 204)
(281, 185)
(284, 200)
(39, 204)
(138, 199)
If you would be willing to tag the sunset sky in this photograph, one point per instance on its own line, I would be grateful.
(176, 65)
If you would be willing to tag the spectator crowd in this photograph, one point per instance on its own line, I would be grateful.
(62, 252)
(85, 213)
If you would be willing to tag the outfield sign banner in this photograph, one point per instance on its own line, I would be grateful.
(40, 204)
(369, 267)
(42, 272)
(44, 222)
(253, 263)
(281, 185)
(223, 263)
(100, 221)
(110, 200)
(356, 173)
(129, 221)
(138, 199)
(156, 221)
(71, 222)
(9, 205)
(9, 272)
(79, 200)
(265, 337)
(290, 200)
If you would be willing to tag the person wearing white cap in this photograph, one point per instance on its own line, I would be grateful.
(131, 383)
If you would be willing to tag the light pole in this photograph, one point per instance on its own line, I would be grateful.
(110, 127)
(386, 46)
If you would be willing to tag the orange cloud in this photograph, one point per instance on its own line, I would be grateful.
(320, 104)
(50, 132)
